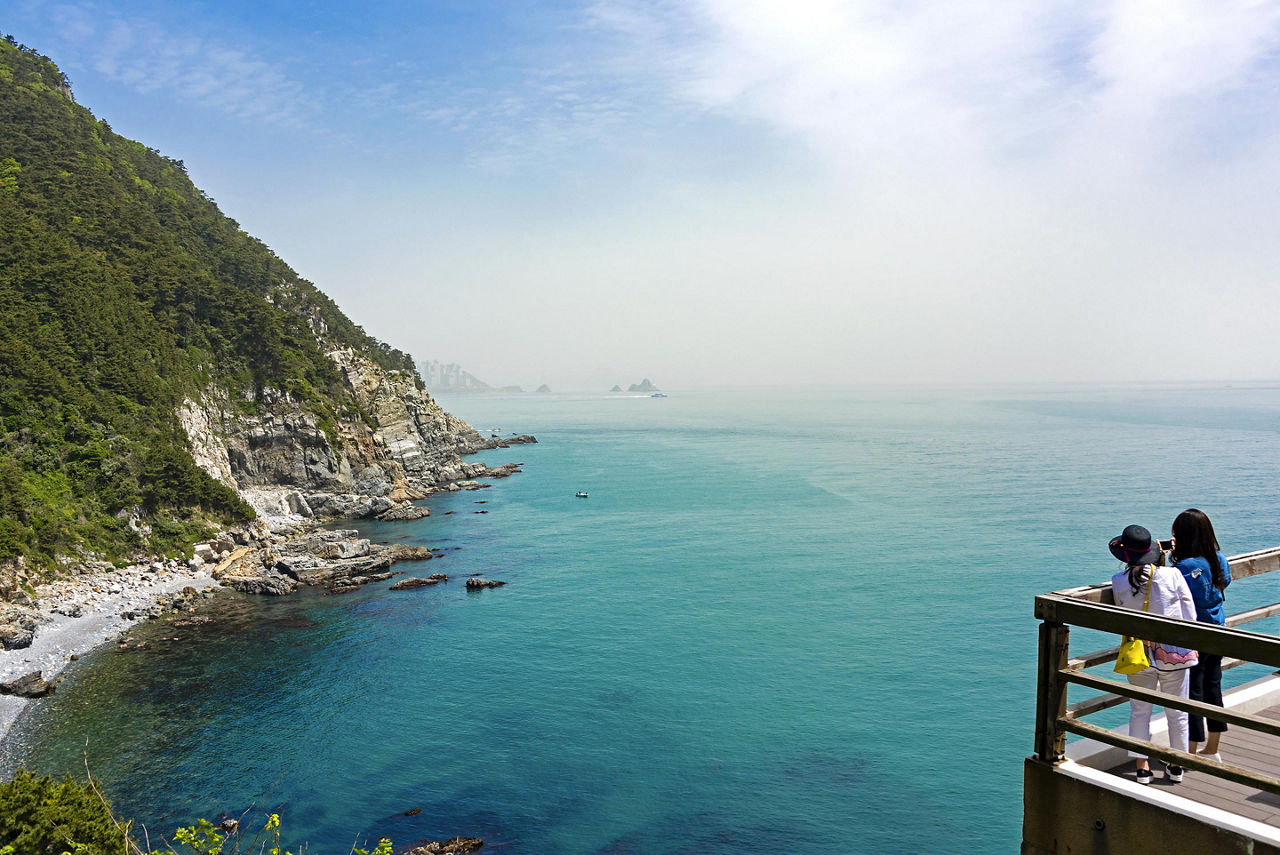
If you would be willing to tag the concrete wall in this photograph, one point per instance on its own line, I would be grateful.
(1065, 814)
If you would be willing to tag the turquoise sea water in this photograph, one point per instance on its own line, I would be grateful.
(783, 621)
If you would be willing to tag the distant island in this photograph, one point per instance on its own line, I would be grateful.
(646, 386)
(449, 377)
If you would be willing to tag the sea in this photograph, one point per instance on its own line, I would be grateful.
(782, 620)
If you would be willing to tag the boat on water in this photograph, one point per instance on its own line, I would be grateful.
(581, 494)
(658, 395)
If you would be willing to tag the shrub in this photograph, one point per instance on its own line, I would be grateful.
(42, 816)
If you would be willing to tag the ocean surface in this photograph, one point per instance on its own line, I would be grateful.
(783, 621)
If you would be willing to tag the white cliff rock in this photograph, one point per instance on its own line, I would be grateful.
(285, 464)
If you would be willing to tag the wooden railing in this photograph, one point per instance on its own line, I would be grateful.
(1092, 607)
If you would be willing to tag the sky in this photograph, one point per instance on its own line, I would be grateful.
(713, 193)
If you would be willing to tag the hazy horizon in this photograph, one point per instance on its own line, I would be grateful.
(905, 386)
(716, 194)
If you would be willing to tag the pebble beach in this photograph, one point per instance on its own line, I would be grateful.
(83, 612)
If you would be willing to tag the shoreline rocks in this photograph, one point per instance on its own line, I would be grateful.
(403, 512)
(17, 625)
(280, 508)
(46, 627)
(78, 613)
(452, 846)
(418, 582)
(28, 686)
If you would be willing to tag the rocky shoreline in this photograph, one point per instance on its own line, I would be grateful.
(75, 615)
(95, 602)
(72, 616)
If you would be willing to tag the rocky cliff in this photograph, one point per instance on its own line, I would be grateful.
(165, 374)
(288, 466)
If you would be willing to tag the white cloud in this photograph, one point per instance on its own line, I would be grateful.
(151, 57)
(726, 191)
(961, 82)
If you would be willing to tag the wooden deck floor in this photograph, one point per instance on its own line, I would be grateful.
(1239, 747)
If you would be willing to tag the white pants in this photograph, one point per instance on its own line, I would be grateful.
(1171, 683)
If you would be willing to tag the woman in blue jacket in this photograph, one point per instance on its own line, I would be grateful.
(1196, 554)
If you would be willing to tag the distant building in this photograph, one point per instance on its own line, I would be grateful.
(449, 377)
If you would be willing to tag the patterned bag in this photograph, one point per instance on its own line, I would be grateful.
(1171, 657)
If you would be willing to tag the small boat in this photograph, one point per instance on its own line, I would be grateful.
(581, 494)
(658, 395)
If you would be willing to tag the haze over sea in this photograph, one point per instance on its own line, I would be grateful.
(784, 620)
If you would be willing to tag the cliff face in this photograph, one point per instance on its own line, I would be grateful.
(165, 373)
(283, 462)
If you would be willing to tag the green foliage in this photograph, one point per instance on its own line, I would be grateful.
(203, 838)
(125, 290)
(383, 848)
(41, 816)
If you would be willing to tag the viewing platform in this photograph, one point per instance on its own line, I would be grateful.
(1083, 798)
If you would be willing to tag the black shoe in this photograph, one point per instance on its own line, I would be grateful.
(1174, 773)
(1144, 776)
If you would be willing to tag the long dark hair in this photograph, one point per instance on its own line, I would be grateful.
(1135, 584)
(1193, 537)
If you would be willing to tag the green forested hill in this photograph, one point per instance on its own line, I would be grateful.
(123, 289)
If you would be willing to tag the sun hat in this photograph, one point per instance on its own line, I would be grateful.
(1135, 546)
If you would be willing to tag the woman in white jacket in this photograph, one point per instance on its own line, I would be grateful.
(1170, 597)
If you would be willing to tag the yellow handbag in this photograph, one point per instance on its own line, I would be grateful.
(1132, 657)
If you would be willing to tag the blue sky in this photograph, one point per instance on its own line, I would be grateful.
(719, 193)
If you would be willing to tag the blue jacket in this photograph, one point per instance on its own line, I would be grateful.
(1208, 599)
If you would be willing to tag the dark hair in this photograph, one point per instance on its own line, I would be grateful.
(1193, 537)
(1135, 585)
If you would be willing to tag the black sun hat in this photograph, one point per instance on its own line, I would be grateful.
(1135, 546)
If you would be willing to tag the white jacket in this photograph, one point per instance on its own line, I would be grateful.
(1170, 596)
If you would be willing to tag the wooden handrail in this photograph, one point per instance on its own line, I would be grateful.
(1242, 567)
(1205, 637)
(1252, 722)
(1093, 607)
(1101, 657)
(1080, 709)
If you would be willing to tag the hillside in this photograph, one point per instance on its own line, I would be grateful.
(141, 325)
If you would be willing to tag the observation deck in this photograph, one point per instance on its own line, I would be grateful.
(1082, 798)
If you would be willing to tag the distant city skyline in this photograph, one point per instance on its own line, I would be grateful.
(713, 194)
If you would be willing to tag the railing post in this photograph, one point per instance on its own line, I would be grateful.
(1051, 691)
